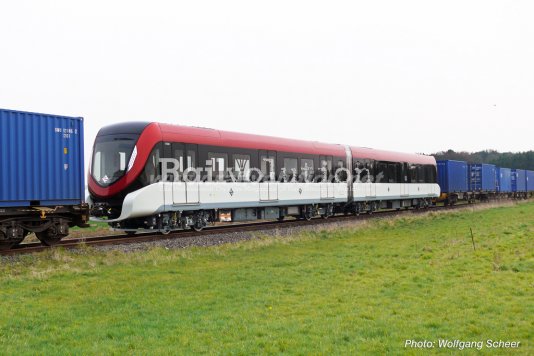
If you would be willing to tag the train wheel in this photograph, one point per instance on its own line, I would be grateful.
(197, 227)
(6, 244)
(307, 213)
(329, 211)
(50, 236)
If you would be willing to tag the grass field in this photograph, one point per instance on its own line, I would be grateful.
(353, 290)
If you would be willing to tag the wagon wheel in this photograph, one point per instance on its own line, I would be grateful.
(50, 236)
(7, 244)
(10, 243)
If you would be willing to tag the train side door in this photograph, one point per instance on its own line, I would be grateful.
(192, 184)
(370, 191)
(405, 179)
(166, 177)
(325, 170)
(178, 187)
(268, 185)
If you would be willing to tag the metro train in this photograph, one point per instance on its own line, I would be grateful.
(149, 175)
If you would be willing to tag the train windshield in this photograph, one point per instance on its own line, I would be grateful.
(111, 157)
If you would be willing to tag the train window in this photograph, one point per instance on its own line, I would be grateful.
(420, 174)
(306, 168)
(413, 173)
(392, 173)
(152, 171)
(267, 166)
(382, 172)
(406, 173)
(191, 159)
(362, 171)
(289, 171)
(341, 174)
(219, 162)
(430, 173)
(178, 154)
(241, 167)
(110, 157)
(325, 167)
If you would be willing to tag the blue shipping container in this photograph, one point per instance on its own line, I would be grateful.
(504, 180)
(41, 159)
(519, 180)
(452, 176)
(482, 178)
(530, 181)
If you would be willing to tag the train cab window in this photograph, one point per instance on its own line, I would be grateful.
(267, 166)
(241, 167)
(218, 163)
(289, 170)
(306, 168)
(111, 157)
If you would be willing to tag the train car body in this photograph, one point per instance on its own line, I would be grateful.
(504, 180)
(227, 176)
(519, 182)
(530, 181)
(41, 176)
(482, 178)
(453, 176)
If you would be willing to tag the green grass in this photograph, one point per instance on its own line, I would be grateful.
(361, 289)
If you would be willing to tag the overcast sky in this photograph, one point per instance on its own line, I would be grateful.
(414, 76)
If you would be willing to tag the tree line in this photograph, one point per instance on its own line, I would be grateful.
(519, 160)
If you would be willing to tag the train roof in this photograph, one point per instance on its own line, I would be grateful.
(213, 137)
(391, 156)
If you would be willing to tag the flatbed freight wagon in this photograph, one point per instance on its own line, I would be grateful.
(453, 180)
(42, 187)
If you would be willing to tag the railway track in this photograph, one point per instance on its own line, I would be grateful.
(28, 248)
